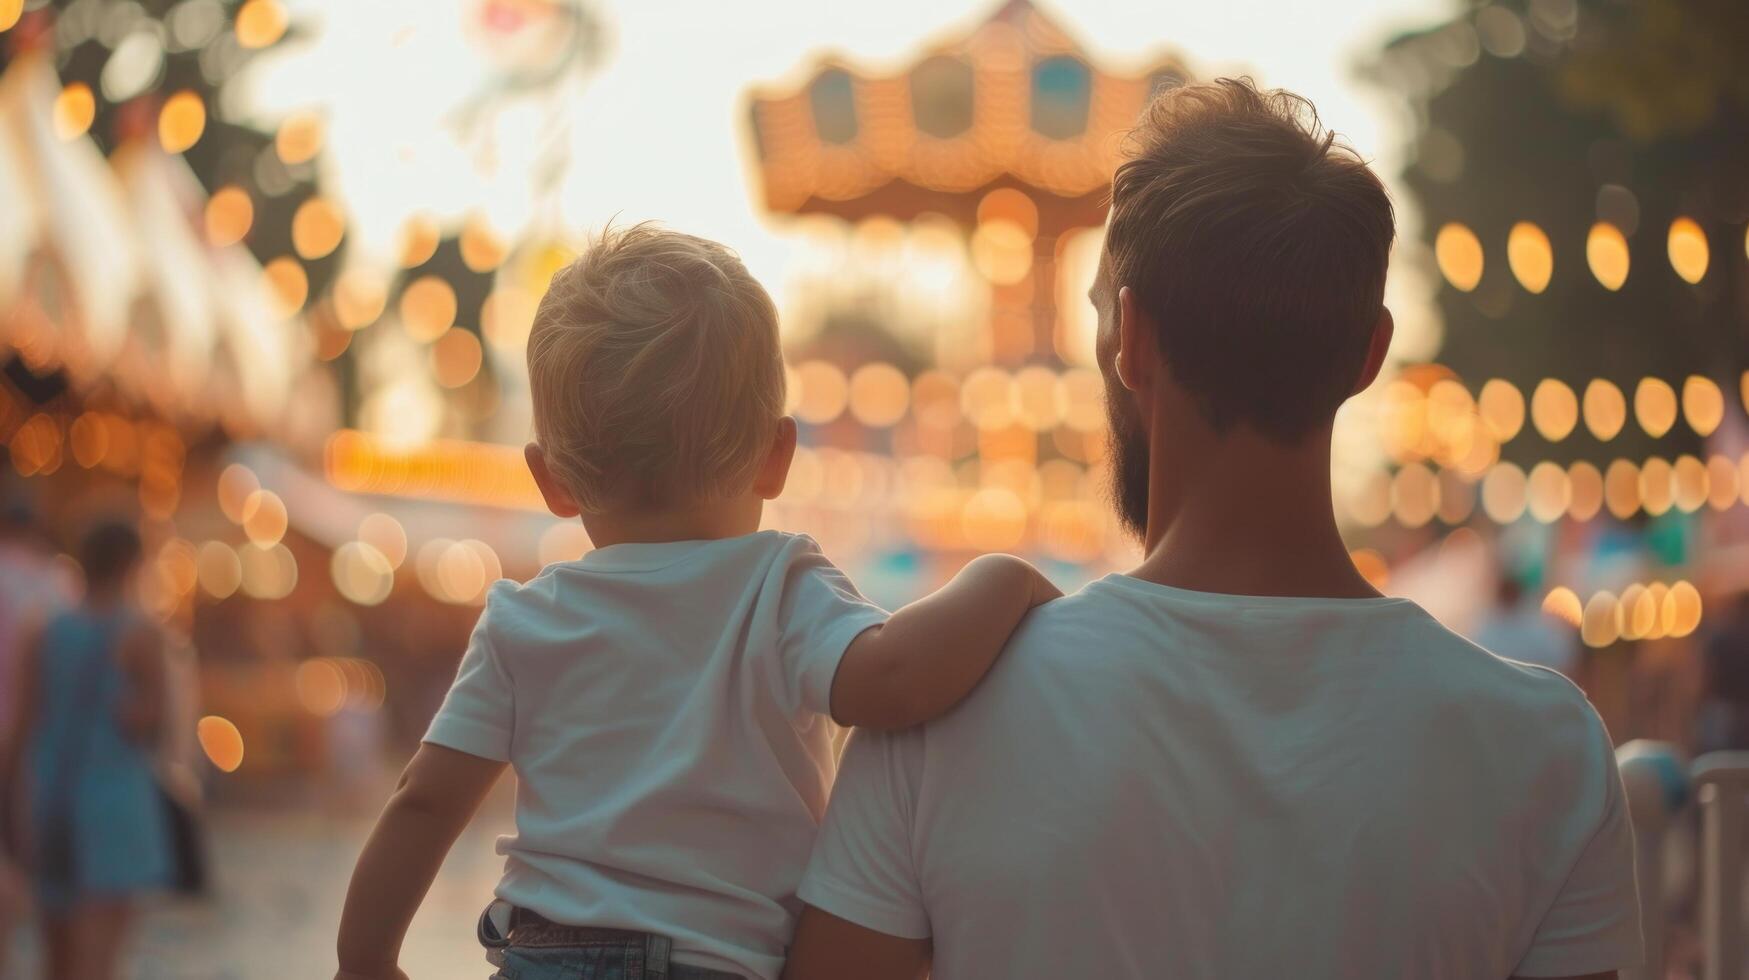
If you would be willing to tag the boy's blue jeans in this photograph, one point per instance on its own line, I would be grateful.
(536, 949)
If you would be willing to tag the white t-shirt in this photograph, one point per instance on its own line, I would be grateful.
(1154, 782)
(665, 707)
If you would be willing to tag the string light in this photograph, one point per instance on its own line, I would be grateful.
(74, 110)
(1458, 252)
(1606, 251)
(181, 121)
(1688, 249)
(1528, 254)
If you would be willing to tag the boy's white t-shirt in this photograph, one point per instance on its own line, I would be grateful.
(666, 710)
(1153, 782)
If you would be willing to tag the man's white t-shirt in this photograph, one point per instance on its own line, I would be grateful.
(665, 708)
(1154, 782)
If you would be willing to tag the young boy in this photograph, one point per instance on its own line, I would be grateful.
(667, 701)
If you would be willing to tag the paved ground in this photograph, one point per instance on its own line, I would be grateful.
(280, 879)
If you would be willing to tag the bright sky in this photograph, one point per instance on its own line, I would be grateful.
(668, 107)
(658, 130)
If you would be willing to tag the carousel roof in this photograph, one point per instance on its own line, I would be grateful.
(1016, 101)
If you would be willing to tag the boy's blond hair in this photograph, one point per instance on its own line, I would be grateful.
(656, 372)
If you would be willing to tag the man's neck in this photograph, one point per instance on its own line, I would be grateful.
(1245, 516)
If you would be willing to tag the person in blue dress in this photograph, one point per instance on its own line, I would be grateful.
(88, 711)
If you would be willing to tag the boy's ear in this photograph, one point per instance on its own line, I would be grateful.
(1375, 351)
(774, 472)
(552, 490)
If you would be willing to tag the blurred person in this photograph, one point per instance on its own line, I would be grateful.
(1238, 759)
(666, 701)
(88, 705)
(1518, 629)
(30, 591)
(1724, 709)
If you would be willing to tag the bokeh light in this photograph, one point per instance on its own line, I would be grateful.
(1655, 406)
(1703, 404)
(1724, 483)
(300, 137)
(1637, 612)
(1548, 493)
(1606, 251)
(287, 283)
(359, 298)
(1688, 249)
(1501, 407)
(221, 741)
(317, 228)
(181, 121)
(1563, 604)
(1586, 485)
(269, 572)
(417, 239)
(1554, 409)
(821, 392)
(1600, 623)
(1689, 490)
(219, 571)
(1682, 609)
(74, 110)
(361, 573)
(229, 215)
(1528, 254)
(482, 248)
(235, 485)
(456, 358)
(1459, 254)
(1503, 493)
(879, 395)
(1621, 489)
(1657, 485)
(428, 308)
(1606, 409)
(382, 532)
(261, 23)
(264, 517)
(321, 687)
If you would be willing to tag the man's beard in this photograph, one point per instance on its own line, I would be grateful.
(1127, 456)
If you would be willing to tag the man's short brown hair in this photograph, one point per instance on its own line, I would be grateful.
(1258, 246)
(656, 371)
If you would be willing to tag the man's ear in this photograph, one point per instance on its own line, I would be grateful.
(552, 490)
(774, 472)
(1135, 343)
(1376, 350)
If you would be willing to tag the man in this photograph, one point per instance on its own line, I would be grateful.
(1238, 760)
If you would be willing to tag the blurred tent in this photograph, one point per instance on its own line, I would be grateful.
(108, 279)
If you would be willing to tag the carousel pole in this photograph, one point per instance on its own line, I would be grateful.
(1655, 778)
(1722, 779)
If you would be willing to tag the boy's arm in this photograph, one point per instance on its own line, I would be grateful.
(931, 653)
(435, 799)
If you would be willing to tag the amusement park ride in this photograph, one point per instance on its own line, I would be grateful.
(1012, 132)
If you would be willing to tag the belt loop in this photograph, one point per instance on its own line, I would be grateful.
(488, 931)
(656, 950)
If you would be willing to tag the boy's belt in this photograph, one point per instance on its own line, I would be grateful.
(503, 924)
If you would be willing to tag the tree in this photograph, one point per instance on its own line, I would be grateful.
(1564, 114)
